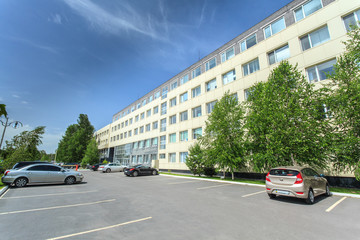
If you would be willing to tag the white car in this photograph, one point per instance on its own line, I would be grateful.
(113, 167)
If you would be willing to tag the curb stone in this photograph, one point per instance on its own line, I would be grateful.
(3, 190)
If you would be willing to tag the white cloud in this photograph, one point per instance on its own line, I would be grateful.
(56, 19)
(24, 102)
(16, 96)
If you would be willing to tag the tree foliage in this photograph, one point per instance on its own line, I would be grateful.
(3, 110)
(196, 160)
(345, 105)
(91, 154)
(72, 146)
(286, 123)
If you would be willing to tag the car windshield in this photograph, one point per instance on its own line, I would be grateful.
(283, 172)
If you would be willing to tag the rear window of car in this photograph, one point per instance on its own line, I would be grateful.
(283, 172)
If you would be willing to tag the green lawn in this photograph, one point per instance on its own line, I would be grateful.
(1, 184)
(262, 182)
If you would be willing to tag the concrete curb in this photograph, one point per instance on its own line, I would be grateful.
(255, 185)
(3, 190)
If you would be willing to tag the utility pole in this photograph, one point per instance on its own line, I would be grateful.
(15, 124)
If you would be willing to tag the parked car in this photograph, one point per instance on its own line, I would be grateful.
(140, 170)
(40, 173)
(24, 164)
(299, 182)
(94, 167)
(113, 167)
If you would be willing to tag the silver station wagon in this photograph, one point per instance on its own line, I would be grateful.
(40, 173)
(299, 182)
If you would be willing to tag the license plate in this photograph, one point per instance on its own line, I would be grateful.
(282, 192)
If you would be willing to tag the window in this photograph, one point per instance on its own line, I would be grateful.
(229, 77)
(162, 142)
(135, 145)
(197, 132)
(196, 112)
(184, 79)
(307, 9)
(183, 116)
(147, 143)
(319, 72)
(155, 110)
(155, 125)
(136, 131)
(183, 156)
(142, 129)
(183, 97)
(173, 102)
(274, 27)
(251, 67)
(136, 120)
(352, 20)
(196, 72)
(148, 113)
(247, 93)
(163, 108)
(248, 42)
(125, 135)
(163, 125)
(315, 38)
(210, 106)
(210, 64)
(154, 141)
(150, 99)
(131, 121)
(142, 115)
(122, 124)
(164, 92)
(157, 95)
(138, 105)
(147, 127)
(183, 136)
(173, 85)
(196, 91)
(228, 54)
(172, 138)
(143, 102)
(279, 54)
(172, 157)
(141, 144)
(211, 85)
(130, 133)
(126, 123)
(172, 119)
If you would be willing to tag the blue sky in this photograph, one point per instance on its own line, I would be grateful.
(60, 58)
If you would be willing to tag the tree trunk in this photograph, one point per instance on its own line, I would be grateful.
(232, 175)
(292, 159)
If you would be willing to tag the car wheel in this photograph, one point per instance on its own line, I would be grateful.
(154, 172)
(135, 174)
(21, 182)
(327, 191)
(311, 198)
(108, 170)
(70, 180)
(271, 196)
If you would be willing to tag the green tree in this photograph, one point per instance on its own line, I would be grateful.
(91, 154)
(224, 140)
(72, 146)
(345, 105)
(3, 110)
(285, 122)
(196, 160)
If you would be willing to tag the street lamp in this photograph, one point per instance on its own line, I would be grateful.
(14, 124)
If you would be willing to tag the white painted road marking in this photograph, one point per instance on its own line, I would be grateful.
(182, 182)
(251, 194)
(51, 194)
(100, 229)
(221, 185)
(4, 193)
(57, 207)
(335, 204)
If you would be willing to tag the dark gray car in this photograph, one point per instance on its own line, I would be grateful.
(40, 173)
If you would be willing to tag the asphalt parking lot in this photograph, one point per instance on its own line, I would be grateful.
(112, 206)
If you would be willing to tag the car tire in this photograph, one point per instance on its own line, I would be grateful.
(154, 172)
(135, 174)
(311, 198)
(108, 170)
(70, 180)
(327, 190)
(271, 196)
(20, 182)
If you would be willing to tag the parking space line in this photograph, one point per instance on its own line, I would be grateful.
(251, 194)
(182, 182)
(220, 185)
(51, 194)
(101, 229)
(57, 207)
(335, 204)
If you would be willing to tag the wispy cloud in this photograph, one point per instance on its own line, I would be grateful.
(127, 19)
(24, 102)
(32, 44)
(56, 19)
(16, 96)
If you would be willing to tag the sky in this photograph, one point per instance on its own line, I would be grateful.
(63, 58)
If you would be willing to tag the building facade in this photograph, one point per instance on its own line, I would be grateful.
(159, 128)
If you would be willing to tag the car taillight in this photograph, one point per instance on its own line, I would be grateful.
(299, 179)
(299, 192)
(6, 173)
(132, 169)
(267, 177)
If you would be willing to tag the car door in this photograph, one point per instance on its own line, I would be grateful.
(37, 174)
(116, 167)
(319, 182)
(55, 174)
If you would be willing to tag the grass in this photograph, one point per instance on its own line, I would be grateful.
(262, 182)
(1, 184)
